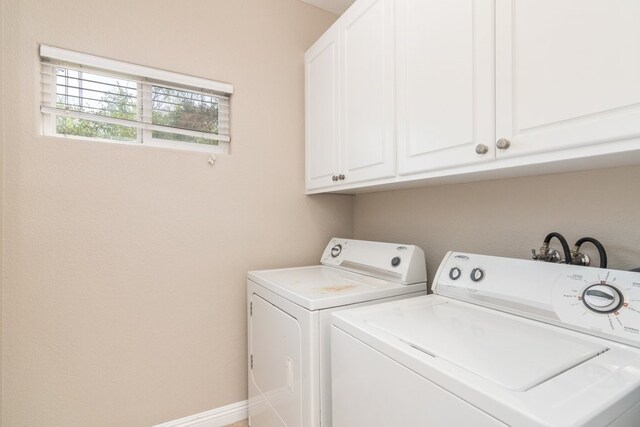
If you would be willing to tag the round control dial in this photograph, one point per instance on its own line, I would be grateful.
(602, 298)
(455, 273)
(335, 251)
(477, 274)
(395, 261)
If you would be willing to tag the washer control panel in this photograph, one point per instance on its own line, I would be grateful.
(602, 302)
(605, 301)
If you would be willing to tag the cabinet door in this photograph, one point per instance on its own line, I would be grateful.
(368, 113)
(568, 73)
(321, 111)
(445, 75)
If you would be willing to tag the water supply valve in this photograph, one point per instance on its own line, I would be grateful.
(578, 258)
(546, 254)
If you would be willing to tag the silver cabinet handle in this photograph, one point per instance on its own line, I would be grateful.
(341, 177)
(503, 144)
(334, 178)
(482, 149)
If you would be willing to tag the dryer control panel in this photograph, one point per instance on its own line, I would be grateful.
(390, 261)
(601, 302)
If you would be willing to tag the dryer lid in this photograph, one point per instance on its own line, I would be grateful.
(318, 287)
(512, 352)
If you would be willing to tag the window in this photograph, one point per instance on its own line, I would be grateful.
(90, 97)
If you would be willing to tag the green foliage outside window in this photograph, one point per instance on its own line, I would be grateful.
(184, 110)
(118, 105)
(171, 107)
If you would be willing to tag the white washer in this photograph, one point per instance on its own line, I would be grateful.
(501, 342)
(289, 320)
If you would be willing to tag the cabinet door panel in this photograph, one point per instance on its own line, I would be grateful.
(567, 73)
(367, 92)
(322, 112)
(445, 76)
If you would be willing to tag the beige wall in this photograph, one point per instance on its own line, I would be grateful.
(511, 216)
(124, 279)
(1, 195)
(125, 266)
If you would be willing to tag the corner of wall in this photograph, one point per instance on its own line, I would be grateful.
(1, 194)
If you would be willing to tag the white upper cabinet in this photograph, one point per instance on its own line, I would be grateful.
(321, 111)
(403, 91)
(368, 112)
(568, 73)
(350, 98)
(445, 83)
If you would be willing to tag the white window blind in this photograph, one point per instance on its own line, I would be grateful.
(92, 97)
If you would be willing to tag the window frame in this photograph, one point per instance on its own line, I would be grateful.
(146, 78)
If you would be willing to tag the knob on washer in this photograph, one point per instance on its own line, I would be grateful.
(602, 298)
(455, 273)
(477, 274)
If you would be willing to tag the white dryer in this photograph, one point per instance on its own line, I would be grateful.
(289, 320)
(501, 342)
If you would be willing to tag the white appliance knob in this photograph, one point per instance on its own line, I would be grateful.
(455, 273)
(477, 274)
(335, 251)
(602, 298)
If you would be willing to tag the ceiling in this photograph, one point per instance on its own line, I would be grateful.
(335, 6)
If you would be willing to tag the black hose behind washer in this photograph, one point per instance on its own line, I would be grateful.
(601, 252)
(563, 242)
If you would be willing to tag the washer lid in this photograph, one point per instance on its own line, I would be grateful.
(318, 287)
(506, 350)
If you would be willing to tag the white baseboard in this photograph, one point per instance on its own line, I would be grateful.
(218, 417)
